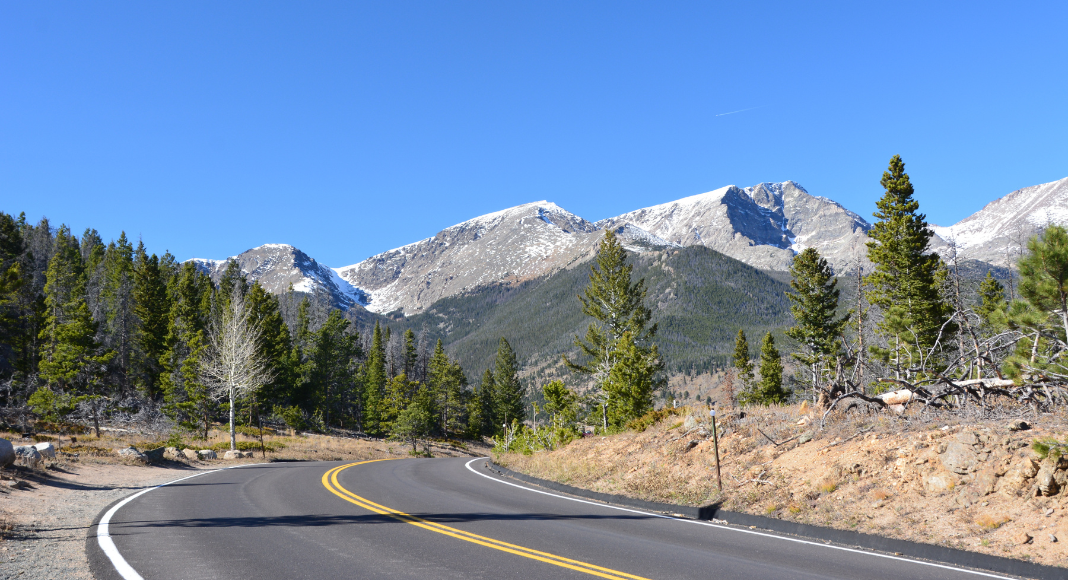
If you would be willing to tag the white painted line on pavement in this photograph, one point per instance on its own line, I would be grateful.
(733, 529)
(107, 545)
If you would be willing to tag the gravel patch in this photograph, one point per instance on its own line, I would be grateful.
(53, 509)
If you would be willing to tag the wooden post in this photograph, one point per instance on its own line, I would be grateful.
(715, 445)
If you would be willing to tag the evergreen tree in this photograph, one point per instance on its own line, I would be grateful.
(275, 344)
(631, 382)
(507, 390)
(446, 381)
(769, 390)
(907, 279)
(375, 384)
(120, 323)
(411, 353)
(992, 303)
(11, 281)
(332, 362)
(1041, 318)
(561, 403)
(617, 305)
(185, 396)
(484, 398)
(742, 362)
(75, 362)
(151, 307)
(816, 327)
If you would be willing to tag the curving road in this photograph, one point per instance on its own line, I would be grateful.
(437, 518)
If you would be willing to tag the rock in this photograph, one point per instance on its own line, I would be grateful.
(985, 481)
(190, 454)
(1022, 538)
(689, 423)
(46, 450)
(804, 438)
(1044, 478)
(1019, 425)
(28, 455)
(1052, 539)
(233, 455)
(7, 453)
(207, 454)
(172, 453)
(938, 483)
(131, 453)
(1016, 479)
(155, 455)
(968, 438)
(960, 458)
(897, 409)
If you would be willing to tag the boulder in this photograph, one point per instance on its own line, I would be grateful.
(207, 454)
(897, 397)
(190, 454)
(1016, 478)
(154, 455)
(985, 481)
(1022, 538)
(961, 458)
(938, 483)
(7, 453)
(237, 454)
(172, 453)
(46, 450)
(28, 455)
(1019, 425)
(1044, 478)
(131, 453)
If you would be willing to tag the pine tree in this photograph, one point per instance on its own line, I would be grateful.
(120, 322)
(485, 397)
(185, 396)
(75, 362)
(631, 382)
(1041, 317)
(742, 362)
(507, 390)
(11, 281)
(375, 384)
(446, 382)
(151, 307)
(617, 306)
(411, 353)
(992, 303)
(814, 302)
(769, 390)
(907, 280)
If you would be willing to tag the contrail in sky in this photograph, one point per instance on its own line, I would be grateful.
(738, 111)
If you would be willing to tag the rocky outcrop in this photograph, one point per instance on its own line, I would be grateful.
(46, 449)
(131, 453)
(280, 267)
(206, 454)
(508, 246)
(27, 455)
(190, 454)
(7, 453)
(236, 454)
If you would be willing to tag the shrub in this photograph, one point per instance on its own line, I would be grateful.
(989, 522)
(827, 485)
(653, 417)
(1047, 447)
(248, 446)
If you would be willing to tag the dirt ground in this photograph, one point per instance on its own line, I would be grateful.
(46, 512)
(971, 485)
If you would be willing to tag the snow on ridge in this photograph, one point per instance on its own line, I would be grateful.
(1034, 206)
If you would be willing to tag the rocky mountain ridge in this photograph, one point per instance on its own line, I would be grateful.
(764, 226)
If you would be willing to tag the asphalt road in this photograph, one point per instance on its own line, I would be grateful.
(438, 518)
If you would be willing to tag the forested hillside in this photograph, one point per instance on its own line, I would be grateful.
(699, 297)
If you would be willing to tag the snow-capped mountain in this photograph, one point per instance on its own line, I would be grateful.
(999, 232)
(511, 245)
(764, 225)
(279, 267)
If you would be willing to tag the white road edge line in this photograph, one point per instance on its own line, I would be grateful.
(103, 537)
(744, 531)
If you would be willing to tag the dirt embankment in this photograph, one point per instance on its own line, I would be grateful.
(977, 485)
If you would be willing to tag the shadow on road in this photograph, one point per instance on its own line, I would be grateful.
(314, 521)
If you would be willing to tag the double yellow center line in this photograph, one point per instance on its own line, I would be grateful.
(331, 483)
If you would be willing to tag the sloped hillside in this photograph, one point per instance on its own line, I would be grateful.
(973, 485)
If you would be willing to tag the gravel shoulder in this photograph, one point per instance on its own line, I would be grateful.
(47, 512)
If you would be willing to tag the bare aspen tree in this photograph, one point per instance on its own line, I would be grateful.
(233, 365)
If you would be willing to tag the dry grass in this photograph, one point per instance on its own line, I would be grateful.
(881, 494)
(989, 522)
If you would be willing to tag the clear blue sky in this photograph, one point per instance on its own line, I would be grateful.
(350, 128)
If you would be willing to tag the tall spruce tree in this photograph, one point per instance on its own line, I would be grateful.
(507, 390)
(817, 328)
(742, 361)
(906, 283)
(186, 398)
(151, 307)
(375, 385)
(617, 306)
